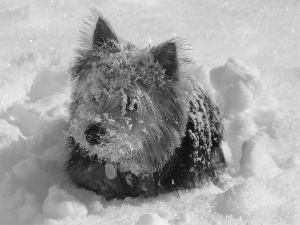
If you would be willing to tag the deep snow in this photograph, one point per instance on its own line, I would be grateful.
(246, 54)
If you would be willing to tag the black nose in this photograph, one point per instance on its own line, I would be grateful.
(94, 134)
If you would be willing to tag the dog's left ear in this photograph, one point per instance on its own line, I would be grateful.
(104, 36)
(166, 55)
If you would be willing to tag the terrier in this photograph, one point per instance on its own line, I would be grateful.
(139, 123)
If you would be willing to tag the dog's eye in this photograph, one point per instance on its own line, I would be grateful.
(131, 104)
(94, 99)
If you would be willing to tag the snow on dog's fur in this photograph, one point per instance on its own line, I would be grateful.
(139, 124)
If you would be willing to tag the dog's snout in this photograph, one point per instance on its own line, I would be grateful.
(95, 133)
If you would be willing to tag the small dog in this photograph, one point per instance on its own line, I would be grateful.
(139, 124)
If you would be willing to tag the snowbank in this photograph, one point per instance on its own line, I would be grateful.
(260, 107)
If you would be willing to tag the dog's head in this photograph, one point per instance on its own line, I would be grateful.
(129, 105)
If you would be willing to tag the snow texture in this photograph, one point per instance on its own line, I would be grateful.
(246, 54)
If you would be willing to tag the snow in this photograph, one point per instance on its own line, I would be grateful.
(255, 160)
(246, 54)
(237, 83)
(59, 204)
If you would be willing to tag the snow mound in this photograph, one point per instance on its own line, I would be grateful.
(247, 200)
(238, 83)
(245, 102)
(255, 161)
(59, 204)
(8, 134)
(151, 219)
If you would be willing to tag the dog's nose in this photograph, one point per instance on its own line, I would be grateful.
(94, 134)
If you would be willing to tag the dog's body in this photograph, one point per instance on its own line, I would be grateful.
(139, 124)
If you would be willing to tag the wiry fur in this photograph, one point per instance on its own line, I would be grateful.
(160, 128)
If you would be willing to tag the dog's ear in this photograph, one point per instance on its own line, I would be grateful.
(166, 55)
(104, 36)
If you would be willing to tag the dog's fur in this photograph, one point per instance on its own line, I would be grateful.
(138, 110)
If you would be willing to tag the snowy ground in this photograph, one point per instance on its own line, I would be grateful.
(260, 104)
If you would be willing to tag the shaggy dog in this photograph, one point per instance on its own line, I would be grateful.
(139, 124)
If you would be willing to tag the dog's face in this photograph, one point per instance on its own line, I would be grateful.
(128, 105)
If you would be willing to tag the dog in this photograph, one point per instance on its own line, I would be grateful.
(140, 125)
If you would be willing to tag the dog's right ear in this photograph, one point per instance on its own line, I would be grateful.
(166, 55)
(104, 36)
